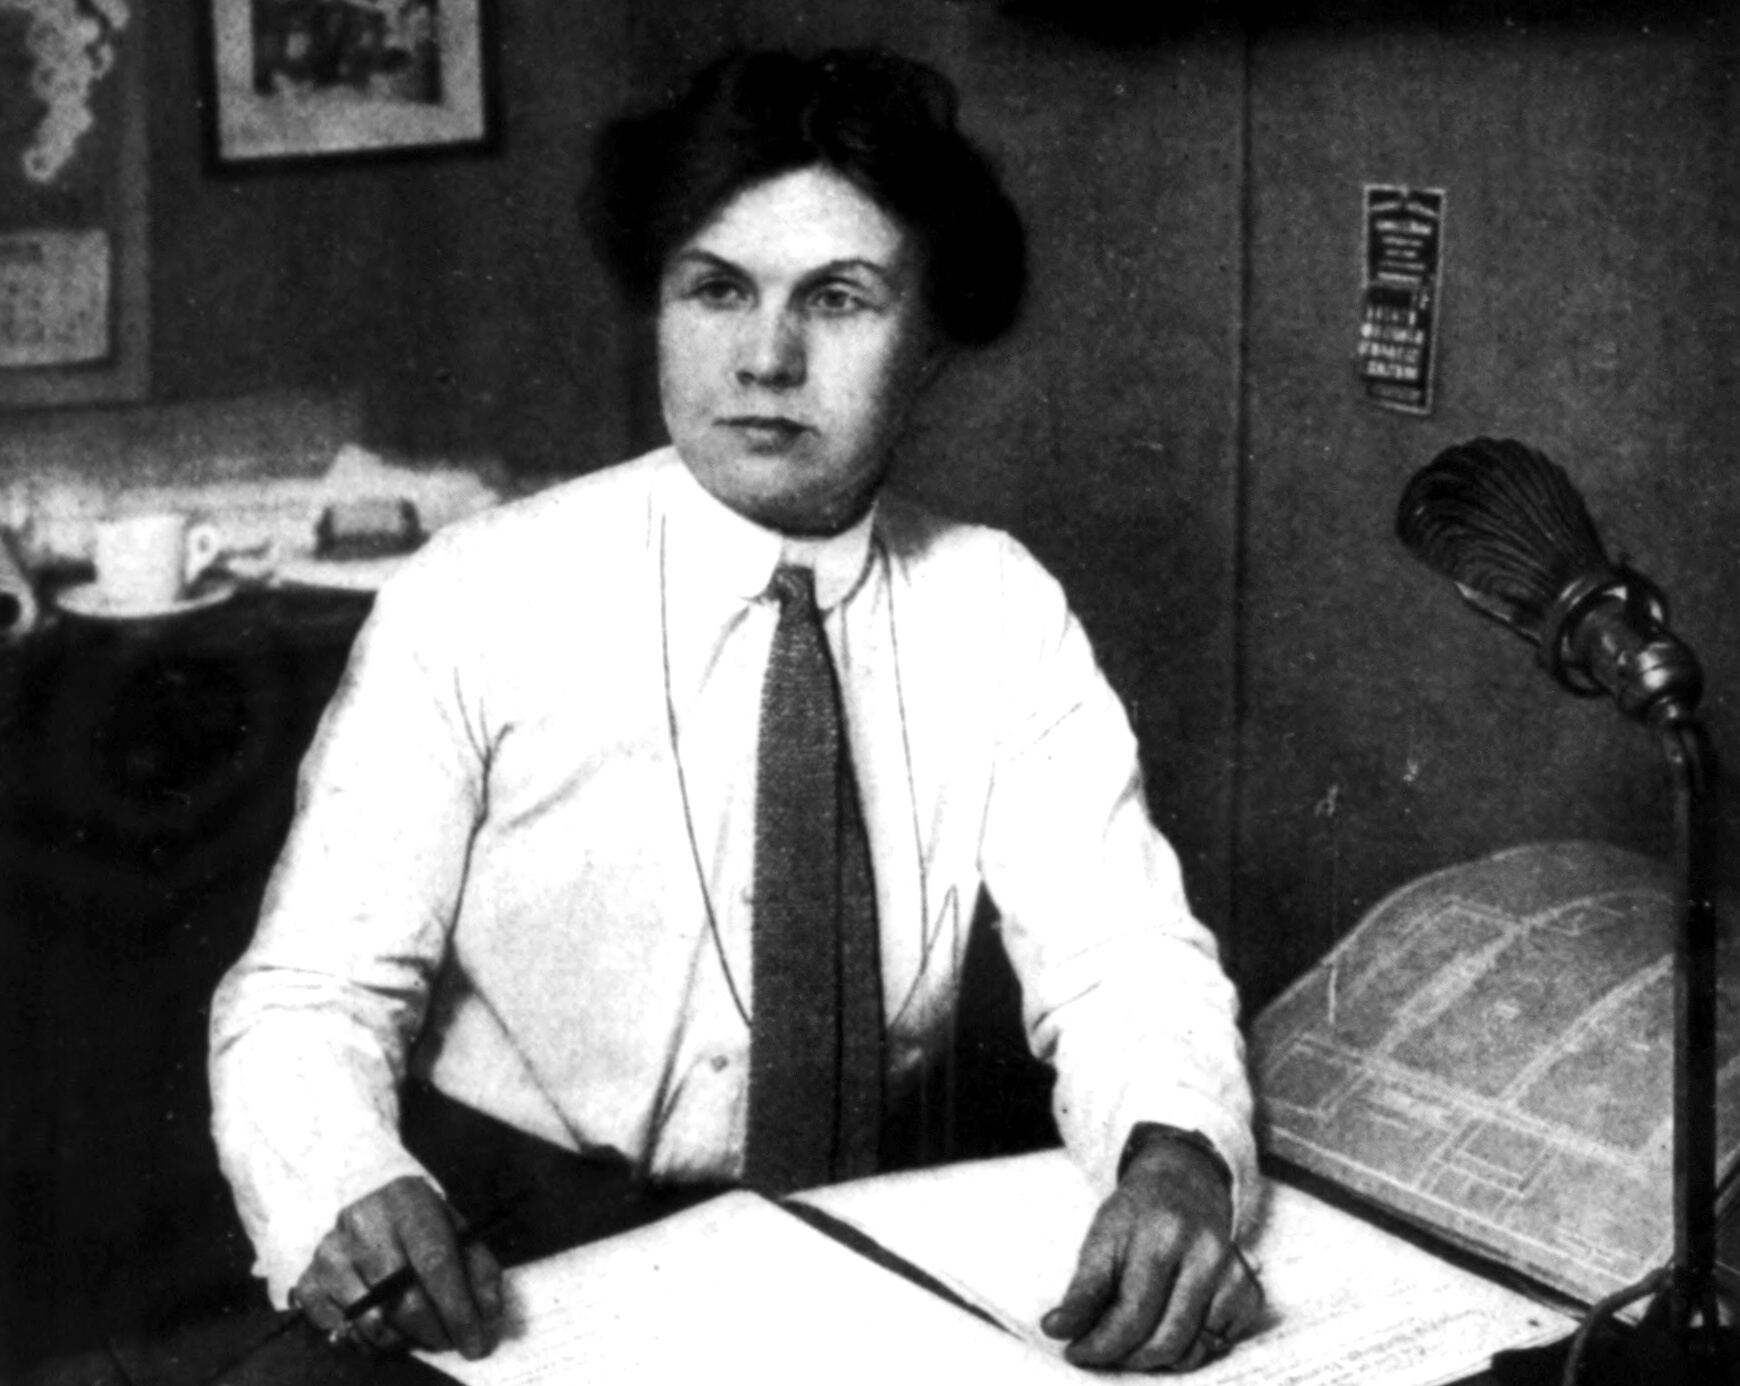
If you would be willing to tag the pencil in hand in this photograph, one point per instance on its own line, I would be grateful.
(391, 1287)
(385, 1291)
(382, 1293)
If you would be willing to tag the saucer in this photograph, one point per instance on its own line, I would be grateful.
(87, 599)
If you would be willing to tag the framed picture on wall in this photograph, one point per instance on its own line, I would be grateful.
(74, 270)
(345, 79)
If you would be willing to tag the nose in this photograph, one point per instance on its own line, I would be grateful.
(771, 351)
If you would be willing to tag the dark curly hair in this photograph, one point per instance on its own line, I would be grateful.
(885, 123)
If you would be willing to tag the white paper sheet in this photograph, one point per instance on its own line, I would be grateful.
(736, 1289)
(740, 1287)
(1348, 1303)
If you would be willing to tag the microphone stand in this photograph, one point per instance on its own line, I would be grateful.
(1680, 1341)
(1682, 1331)
(1608, 633)
(1693, 1292)
(1507, 526)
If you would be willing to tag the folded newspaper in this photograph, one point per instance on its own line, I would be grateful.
(1489, 1055)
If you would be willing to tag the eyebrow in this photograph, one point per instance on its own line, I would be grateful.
(696, 255)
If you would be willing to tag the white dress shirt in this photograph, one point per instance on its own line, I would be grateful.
(522, 859)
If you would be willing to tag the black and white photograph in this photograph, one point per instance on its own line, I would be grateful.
(290, 79)
(869, 691)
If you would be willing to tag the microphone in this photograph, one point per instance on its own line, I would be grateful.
(1509, 529)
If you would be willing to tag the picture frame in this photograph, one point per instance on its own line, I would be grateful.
(294, 81)
(75, 291)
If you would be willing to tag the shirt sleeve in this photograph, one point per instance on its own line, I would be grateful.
(1123, 991)
(311, 1028)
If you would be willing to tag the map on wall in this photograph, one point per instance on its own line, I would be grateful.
(72, 227)
(1489, 1055)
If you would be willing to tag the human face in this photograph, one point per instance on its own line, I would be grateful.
(792, 339)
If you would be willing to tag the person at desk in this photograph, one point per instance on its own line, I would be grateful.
(652, 809)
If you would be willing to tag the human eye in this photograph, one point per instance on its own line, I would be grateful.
(841, 298)
(717, 291)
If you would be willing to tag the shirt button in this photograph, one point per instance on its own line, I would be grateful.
(721, 1062)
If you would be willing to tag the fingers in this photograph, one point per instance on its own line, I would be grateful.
(444, 1313)
(454, 1299)
(332, 1281)
(1154, 1289)
(1161, 1302)
(484, 1273)
(1235, 1311)
(1094, 1286)
(1128, 1279)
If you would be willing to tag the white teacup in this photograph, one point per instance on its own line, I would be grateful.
(149, 561)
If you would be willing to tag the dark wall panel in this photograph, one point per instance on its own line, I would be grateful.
(451, 291)
(1589, 273)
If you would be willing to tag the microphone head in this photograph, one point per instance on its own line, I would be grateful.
(1506, 526)
(1509, 529)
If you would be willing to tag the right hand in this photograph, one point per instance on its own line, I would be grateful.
(456, 1301)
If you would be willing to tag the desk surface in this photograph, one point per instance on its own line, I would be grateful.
(738, 1279)
(735, 1277)
(195, 1355)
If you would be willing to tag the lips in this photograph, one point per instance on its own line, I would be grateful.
(765, 430)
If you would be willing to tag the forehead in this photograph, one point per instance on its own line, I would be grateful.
(801, 220)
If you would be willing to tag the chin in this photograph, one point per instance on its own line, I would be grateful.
(799, 516)
(769, 489)
(797, 520)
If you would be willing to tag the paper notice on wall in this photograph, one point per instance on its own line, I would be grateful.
(54, 298)
(1404, 244)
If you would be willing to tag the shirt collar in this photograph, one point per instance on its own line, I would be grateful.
(710, 542)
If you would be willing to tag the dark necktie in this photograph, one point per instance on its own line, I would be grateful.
(815, 1055)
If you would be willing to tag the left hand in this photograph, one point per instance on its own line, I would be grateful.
(1158, 1285)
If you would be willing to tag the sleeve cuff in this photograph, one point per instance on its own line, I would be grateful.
(1145, 1131)
(1215, 1127)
